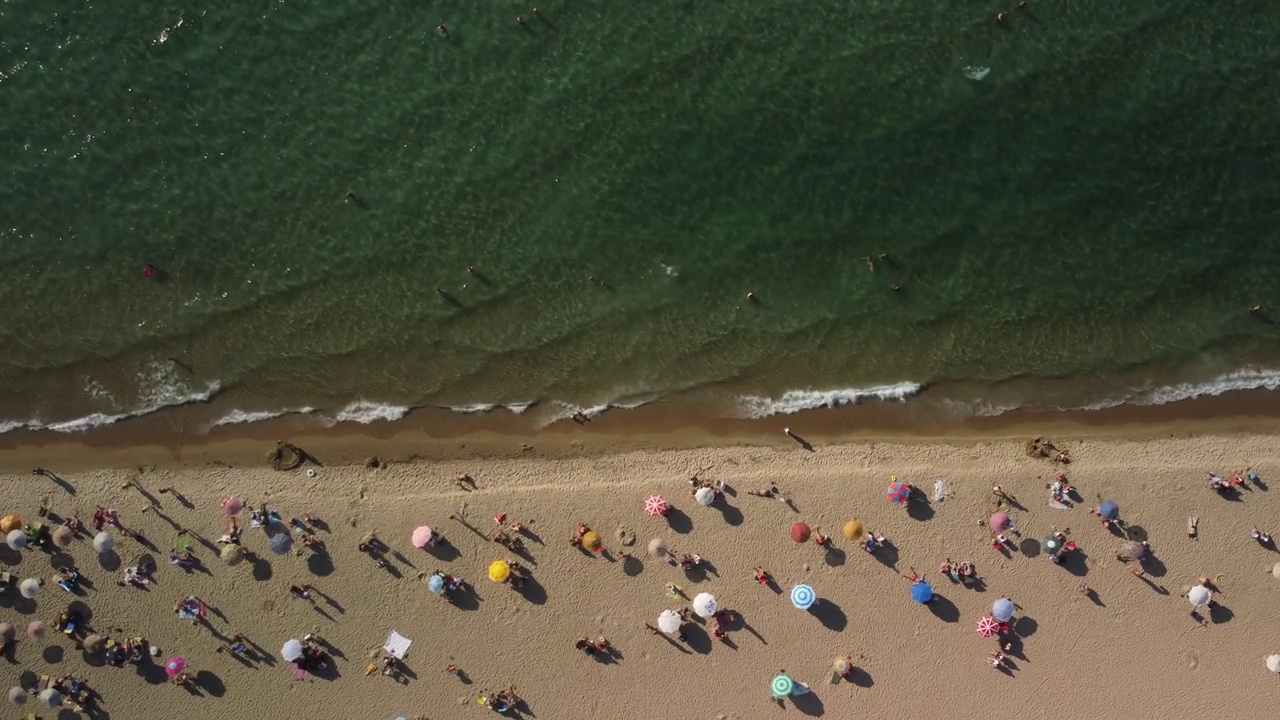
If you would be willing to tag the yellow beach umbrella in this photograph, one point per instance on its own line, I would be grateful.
(499, 571)
(591, 540)
(9, 523)
(853, 529)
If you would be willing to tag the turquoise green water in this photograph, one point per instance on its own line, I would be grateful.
(1100, 207)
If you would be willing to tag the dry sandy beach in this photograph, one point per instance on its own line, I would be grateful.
(1134, 651)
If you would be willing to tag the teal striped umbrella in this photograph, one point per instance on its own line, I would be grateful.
(781, 686)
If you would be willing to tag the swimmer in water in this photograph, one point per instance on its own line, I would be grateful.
(149, 271)
(442, 29)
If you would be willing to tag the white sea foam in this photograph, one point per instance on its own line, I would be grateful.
(558, 410)
(975, 72)
(1238, 380)
(519, 408)
(476, 409)
(159, 387)
(792, 401)
(240, 417)
(365, 412)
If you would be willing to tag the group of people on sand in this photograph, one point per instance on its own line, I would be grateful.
(1043, 447)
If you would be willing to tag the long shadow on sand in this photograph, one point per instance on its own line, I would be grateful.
(465, 598)
(211, 683)
(261, 568)
(697, 639)
(320, 564)
(678, 521)
(860, 677)
(732, 515)
(809, 704)
(830, 615)
(533, 591)
(632, 566)
(944, 609)
(919, 508)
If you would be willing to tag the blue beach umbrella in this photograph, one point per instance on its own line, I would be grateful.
(435, 583)
(1108, 510)
(1002, 609)
(802, 597)
(921, 592)
(281, 543)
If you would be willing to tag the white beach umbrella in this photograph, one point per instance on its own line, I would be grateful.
(705, 605)
(658, 547)
(1275, 571)
(17, 696)
(705, 496)
(103, 542)
(50, 697)
(1273, 663)
(16, 539)
(1199, 595)
(30, 588)
(669, 621)
(292, 650)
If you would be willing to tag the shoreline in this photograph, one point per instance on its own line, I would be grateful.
(174, 437)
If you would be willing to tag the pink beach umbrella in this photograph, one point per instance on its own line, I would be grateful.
(232, 506)
(999, 522)
(655, 506)
(174, 667)
(422, 536)
(987, 626)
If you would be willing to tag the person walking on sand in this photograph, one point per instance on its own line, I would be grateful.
(762, 575)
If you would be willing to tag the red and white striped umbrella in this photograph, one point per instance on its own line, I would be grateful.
(987, 626)
(655, 506)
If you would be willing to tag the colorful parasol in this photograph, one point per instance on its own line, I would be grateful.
(655, 506)
(987, 626)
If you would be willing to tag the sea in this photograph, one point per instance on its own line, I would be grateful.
(349, 210)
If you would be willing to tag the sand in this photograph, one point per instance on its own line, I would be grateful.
(1134, 652)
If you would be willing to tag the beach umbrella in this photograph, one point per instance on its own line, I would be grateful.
(17, 696)
(93, 643)
(669, 621)
(1002, 609)
(1199, 595)
(1275, 571)
(852, 530)
(781, 686)
(999, 521)
(898, 493)
(655, 506)
(281, 543)
(50, 697)
(800, 532)
(174, 667)
(1051, 544)
(30, 588)
(6, 632)
(232, 554)
(591, 540)
(16, 539)
(1273, 663)
(421, 536)
(62, 536)
(839, 668)
(103, 542)
(435, 583)
(704, 605)
(657, 547)
(1132, 550)
(9, 523)
(232, 506)
(1108, 510)
(36, 629)
(921, 592)
(705, 496)
(802, 597)
(987, 627)
(292, 650)
(499, 571)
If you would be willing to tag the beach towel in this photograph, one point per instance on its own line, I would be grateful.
(397, 645)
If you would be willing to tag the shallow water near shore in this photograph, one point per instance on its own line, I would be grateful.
(1087, 224)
